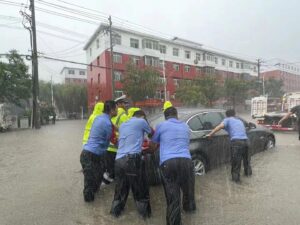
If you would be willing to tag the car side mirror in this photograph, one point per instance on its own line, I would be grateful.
(251, 125)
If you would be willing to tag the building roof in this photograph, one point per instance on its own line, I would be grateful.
(71, 68)
(174, 41)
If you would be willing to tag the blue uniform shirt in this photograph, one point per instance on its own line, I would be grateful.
(100, 135)
(131, 136)
(236, 128)
(174, 138)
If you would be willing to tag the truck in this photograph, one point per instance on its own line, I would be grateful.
(270, 118)
(263, 104)
(6, 119)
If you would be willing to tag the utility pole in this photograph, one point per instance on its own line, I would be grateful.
(35, 85)
(111, 59)
(165, 80)
(52, 99)
(259, 61)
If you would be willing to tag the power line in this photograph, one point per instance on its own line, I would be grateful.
(73, 62)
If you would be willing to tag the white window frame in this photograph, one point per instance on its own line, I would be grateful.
(82, 72)
(98, 43)
(198, 56)
(117, 75)
(176, 82)
(117, 39)
(187, 54)
(230, 63)
(163, 49)
(72, 72)
(187, 68)
(176, 52)
(216, 60)
(117, 58)
(176, 66)
(223, 62)
(134, 43)
(118, 93)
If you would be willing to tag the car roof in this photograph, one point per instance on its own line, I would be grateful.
(185, 113)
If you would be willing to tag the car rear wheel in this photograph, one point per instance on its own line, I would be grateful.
(200, 165)
(270, 143)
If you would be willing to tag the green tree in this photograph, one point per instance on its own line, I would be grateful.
(274, 88)
(188, 93)
(140, 84)
(210, 89)
(70, 98)
(236, 91)
(15, 82)
(45, 92)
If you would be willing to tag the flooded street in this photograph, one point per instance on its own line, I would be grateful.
(41, 183)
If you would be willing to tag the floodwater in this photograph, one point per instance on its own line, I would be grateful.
(41, 183)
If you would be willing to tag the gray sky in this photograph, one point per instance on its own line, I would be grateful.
(265, 29)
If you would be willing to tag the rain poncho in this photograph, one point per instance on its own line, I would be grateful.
(98, 110)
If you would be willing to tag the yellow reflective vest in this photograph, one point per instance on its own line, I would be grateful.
(120, 118)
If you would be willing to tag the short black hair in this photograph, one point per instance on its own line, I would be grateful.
(230, 112)
(109, 106)
(139, 113)
(170, 113)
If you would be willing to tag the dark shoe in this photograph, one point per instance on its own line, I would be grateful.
(248, 172)
(235, 177)
(89, 197)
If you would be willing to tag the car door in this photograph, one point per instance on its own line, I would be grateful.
(219, 145)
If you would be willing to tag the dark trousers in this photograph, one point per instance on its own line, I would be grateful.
(130, 174)
(239, 152)
(93, 169)
(110, 163)
(178, 174)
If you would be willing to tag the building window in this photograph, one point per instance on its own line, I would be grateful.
(90, 51)
(187, 68)
(242, 65)
(187, 54)
(134, 43)
(98, 78)
(151, 61)
(98, 61)
(98, 43)
(160, 94)
(176, 67)
(223, 62)
(161, 64)
(91, 67)
(162, 80)
(135, 60)
(216, 60)
(71, 71)
(175, 52)
(116, 39)
(230, 64)
(117, 58)
(118, 93)
(150, 44)
(162, 49)
(176, 82)
(81, 72)
(237, 65)
(198, 56)
(117, 75)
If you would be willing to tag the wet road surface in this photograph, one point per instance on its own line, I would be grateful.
(41, 183)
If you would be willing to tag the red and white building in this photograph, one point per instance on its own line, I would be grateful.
(287, 72)
(183, 59)
(74, 75)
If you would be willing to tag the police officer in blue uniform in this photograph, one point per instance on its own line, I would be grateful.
(176, 165)
(130, 167)
(239, 144)
(92, 156)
